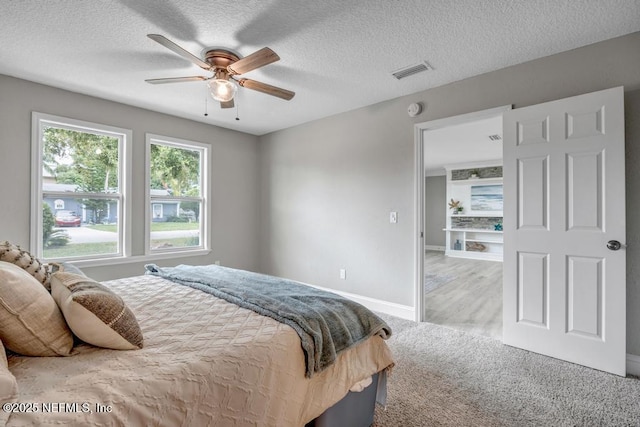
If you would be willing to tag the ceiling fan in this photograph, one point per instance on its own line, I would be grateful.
(225, 66)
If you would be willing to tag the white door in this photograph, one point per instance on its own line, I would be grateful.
(564, 190)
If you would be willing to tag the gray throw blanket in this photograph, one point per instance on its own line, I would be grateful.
(326, 323)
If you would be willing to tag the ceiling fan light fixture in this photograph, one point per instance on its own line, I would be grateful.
(222, 90)
(224, 64)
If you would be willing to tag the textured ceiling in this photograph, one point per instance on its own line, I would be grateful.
(463, 143)
(336, 55)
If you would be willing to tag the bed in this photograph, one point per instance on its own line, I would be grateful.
(205, 362)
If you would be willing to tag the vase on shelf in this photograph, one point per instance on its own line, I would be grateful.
(457, 246)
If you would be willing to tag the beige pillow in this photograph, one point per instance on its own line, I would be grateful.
(23, 259)
(94, 313)
(30, 321)
(8, 386)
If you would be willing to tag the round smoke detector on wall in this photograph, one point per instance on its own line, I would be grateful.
(414, 109)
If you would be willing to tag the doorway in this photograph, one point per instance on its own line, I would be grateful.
(562, 160)
(461, 270)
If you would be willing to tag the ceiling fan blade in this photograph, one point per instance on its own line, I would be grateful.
(177, 49)
(228, 104)
(176, 80)
(265, 88)
(256, 60)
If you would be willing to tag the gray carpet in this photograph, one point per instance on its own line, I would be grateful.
(445, 377)
(434, 281)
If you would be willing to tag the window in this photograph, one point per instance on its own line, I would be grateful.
(177, 211)
(78, 191)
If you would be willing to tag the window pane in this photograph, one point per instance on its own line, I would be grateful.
(175, 224)
(79, 227)
(78, 161)
(174, 171)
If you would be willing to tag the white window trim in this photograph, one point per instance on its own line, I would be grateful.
(139, 258)
(124, 178)
(205, 188)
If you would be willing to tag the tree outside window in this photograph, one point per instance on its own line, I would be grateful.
(175, 193)
(79, 189)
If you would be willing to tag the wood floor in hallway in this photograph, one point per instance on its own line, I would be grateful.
(470, 298)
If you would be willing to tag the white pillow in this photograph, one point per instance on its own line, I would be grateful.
(30, 321)
(94, 313)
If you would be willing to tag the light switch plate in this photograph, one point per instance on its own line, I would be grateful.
(393, 217)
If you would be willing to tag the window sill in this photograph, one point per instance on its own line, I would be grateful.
(138, 258)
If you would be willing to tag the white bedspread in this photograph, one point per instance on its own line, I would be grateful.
(205, 362)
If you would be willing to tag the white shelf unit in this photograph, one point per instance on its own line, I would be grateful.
(476, 181)
(491, 240)
(492, 214)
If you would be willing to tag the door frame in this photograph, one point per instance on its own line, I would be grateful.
(419, 196)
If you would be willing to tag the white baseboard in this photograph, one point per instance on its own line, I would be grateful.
(403, 311)
(434, 248)
(633, 364)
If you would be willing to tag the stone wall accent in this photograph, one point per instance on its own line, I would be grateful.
(486, 172)
(476, 222)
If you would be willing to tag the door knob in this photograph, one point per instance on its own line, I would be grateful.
(614, 245)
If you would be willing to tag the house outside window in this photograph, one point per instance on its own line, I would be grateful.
(176, 182)
(79, 189)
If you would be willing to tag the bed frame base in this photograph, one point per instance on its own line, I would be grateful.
(354, 410)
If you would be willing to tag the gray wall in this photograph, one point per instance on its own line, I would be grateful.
(327, 186)
(435, 210)
(309, 200)
(234, 170)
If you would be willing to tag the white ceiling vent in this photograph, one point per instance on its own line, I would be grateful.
(411, 70)
(495, 137)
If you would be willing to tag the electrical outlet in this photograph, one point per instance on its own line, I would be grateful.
(217, 262)
(343, 274)
(393, 217)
